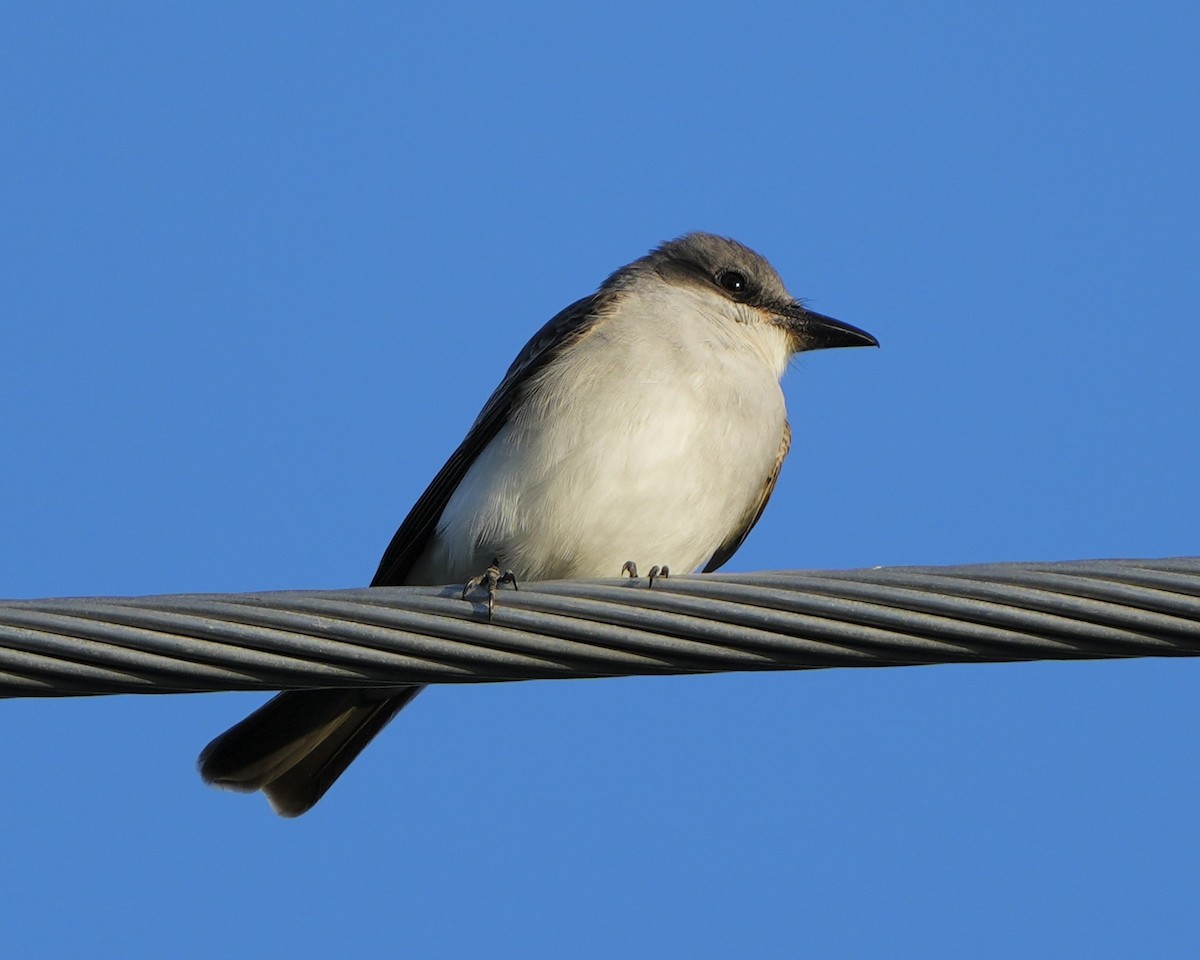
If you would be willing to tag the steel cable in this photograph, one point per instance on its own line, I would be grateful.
(384, 636)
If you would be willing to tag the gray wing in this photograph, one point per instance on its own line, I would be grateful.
(294, 747)
(564, 329)
(739, 534)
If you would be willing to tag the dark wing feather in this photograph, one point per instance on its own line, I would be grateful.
(294, 747)
(738, 536)
(562, 330)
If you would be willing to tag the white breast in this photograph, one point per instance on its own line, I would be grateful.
(647, 441)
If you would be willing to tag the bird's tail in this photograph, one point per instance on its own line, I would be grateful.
(297, 744)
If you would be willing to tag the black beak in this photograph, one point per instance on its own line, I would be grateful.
(813, 331)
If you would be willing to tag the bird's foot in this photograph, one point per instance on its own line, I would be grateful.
(656, 572)
(491, 578)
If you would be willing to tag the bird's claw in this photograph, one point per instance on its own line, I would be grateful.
(491, 578)
(656, 572)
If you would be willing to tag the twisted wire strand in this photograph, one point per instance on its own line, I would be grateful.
(385, 636)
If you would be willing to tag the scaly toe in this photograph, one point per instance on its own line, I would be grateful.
(491, 578)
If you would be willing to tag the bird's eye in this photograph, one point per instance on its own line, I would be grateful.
(733, 281)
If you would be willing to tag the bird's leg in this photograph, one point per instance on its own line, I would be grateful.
(491, 578)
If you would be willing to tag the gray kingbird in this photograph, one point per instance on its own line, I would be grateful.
(643, 425)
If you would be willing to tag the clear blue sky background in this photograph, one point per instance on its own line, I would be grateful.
(263, 263)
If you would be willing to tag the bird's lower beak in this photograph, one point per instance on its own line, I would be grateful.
(814, 331)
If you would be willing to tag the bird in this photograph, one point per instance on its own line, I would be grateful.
(643, 424)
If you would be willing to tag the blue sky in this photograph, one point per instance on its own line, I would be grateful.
(263, 265)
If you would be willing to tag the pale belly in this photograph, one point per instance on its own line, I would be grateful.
(648, 463)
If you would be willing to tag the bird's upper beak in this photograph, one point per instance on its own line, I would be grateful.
(814, 331)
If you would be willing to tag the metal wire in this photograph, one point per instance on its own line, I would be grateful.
(385, 636)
